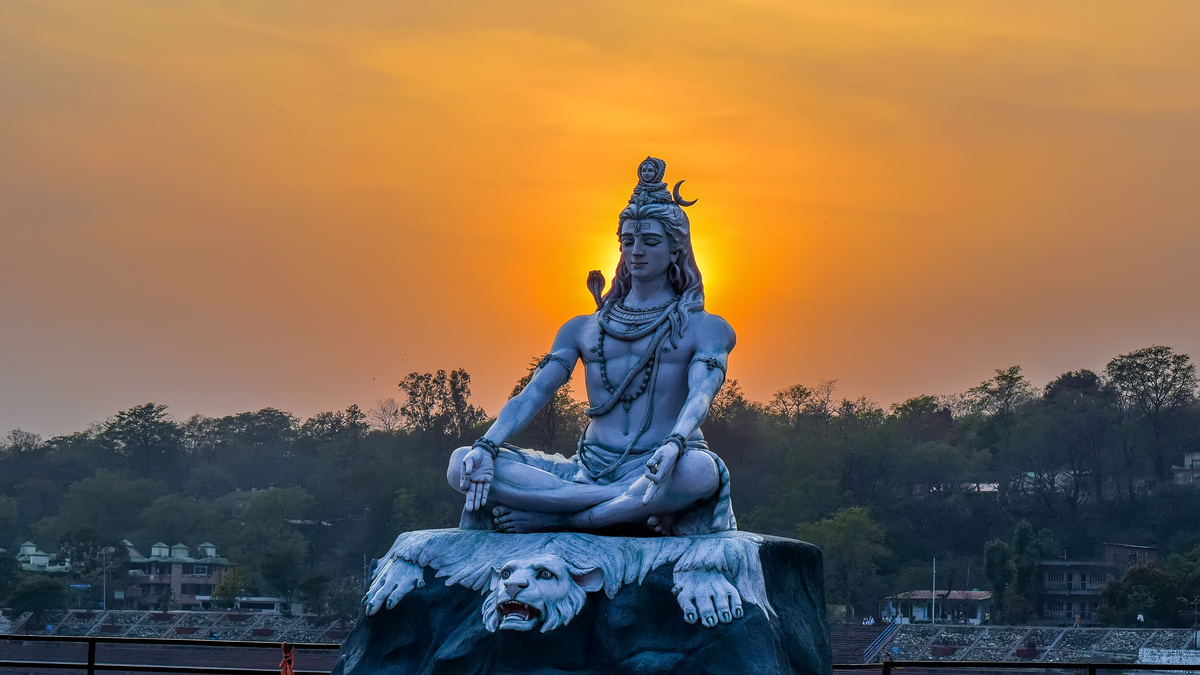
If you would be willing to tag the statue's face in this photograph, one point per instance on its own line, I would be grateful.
(647, 171)
(645, 249)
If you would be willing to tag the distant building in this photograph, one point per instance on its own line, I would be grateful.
(951, 607)
(171, 570)
(1125, 556)
(1070, 589)
(1189, 473)
(33, 559)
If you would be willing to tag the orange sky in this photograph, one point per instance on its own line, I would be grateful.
(226, 206)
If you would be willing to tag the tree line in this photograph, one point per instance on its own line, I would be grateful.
(985, 480)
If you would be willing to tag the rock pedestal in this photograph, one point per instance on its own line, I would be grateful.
(437, 628)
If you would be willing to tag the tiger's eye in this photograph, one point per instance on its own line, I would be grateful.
(505, 574)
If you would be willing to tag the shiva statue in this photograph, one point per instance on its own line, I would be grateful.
(653, 361)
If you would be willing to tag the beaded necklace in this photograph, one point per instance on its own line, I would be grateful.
(659, 322)
(641, 323)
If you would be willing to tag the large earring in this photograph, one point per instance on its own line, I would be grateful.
(674, 273)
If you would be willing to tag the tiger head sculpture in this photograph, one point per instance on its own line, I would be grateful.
(541, 591)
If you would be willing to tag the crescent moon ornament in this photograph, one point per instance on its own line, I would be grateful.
(680, 200)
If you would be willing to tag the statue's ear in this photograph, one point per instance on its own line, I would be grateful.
(496, 571)
(589, 581)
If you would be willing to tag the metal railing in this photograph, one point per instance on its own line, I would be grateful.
(887, 667)
(870, 652)
(92, 665)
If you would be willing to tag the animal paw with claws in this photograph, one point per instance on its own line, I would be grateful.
(707, 597)
(392, 582)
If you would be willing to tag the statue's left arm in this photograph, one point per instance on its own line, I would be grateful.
(706, 373)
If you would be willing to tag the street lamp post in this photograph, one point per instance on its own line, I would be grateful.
(104, 576)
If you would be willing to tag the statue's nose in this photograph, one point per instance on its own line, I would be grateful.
(514, 587)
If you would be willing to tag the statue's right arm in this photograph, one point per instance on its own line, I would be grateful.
(553, 373)
(478, 465)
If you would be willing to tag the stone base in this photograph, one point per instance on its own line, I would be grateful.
(436, 629)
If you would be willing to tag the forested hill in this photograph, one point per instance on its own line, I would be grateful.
(301, 504)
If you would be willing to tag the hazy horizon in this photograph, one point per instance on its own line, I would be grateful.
(224, 207)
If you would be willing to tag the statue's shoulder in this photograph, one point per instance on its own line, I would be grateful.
(712, 330)
(576, 325)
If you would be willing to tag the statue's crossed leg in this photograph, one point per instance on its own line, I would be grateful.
(525, 498)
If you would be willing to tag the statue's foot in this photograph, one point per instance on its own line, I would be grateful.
(664, 525)
(512, 521)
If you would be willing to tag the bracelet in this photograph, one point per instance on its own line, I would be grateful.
(488, 445)
(677, 439)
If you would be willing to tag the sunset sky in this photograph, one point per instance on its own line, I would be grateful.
(224, 206)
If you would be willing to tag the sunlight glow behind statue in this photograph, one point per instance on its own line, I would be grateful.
(653, 361)
(562, 549)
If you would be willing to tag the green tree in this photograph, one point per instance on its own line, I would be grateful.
(232, 587)
(282, 566)
(730, 406)
(313, 594)
(789, 405)
(1082, 414)
(173, 518)
(94, 559)
(1157, 383)
(923, 418)
(386, 415)
(1149, 590)
(1010, 567)
(147, 435)
(995, 405)
(558, 425)
(10, 576)
(37, 593)
(998, 569)
(20, 441)
(438, 404)
(10, 521)
(107, 503)
(1002, 394)
(852, 544)
(38, 498)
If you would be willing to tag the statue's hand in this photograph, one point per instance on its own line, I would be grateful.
(659, 468)
(478, 469)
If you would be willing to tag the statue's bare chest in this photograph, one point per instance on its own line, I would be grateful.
(597, 346)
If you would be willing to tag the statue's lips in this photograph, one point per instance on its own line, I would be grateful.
(517, 610)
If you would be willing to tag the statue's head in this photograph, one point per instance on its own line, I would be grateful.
(653, 209)
(651, 170)
(540, 591)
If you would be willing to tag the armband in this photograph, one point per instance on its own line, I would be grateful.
(712, 362)
(492, 448)
(561, 361)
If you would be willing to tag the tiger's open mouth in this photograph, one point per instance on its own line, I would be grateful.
(517, 611)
